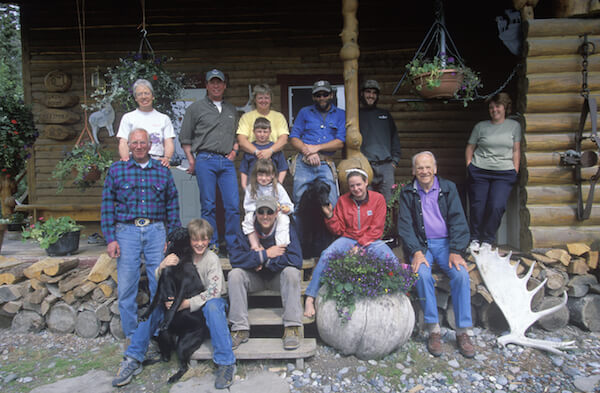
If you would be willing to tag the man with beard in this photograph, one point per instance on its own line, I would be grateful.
(380, 143)
(318, 132)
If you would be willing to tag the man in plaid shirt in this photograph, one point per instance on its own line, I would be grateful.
(139, 207)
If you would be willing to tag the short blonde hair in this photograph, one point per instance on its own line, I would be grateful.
(199, 228)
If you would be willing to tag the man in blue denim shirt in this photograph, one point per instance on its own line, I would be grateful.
(319, 130)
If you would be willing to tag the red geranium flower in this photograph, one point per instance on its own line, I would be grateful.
(155, 77)
(13, 121)
(391, 274)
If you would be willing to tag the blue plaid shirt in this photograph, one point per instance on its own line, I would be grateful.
(131, 191)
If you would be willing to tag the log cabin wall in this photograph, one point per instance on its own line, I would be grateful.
(260, 45)
(552, 104)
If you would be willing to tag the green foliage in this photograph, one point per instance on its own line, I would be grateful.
(120, 78)
(82, 159)
(48, 232)
(391, 215)
(11, 81)
(354, 274)
(17, 134)
(435, 68)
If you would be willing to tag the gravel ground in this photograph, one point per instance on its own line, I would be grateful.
(34, 359)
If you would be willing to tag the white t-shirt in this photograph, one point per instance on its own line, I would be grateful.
(157, 124)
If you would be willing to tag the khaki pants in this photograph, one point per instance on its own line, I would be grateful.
(240, 282)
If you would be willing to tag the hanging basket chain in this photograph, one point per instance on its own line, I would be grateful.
(81, 26)
(144, 41)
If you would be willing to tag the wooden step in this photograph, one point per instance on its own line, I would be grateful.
(264, 348)
(269, 316)
(306, 264)
(270, 292)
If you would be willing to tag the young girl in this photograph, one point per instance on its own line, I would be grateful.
(263, 181)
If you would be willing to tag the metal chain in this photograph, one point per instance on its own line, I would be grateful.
(502, 86)
(586, 49)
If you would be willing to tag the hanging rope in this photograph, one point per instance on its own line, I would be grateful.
(81, 25)
(144, 41)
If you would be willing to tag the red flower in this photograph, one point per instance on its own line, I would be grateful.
(13, 121)
(391, 274)
(394, 186)
(3, 169)
(155, 77)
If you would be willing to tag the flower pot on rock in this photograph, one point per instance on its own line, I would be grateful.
(450, 81)
(65, 245)
(378, 326)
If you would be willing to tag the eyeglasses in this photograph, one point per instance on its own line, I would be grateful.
(138, 143)
(143, 94)
(265, 210)
(320, 95)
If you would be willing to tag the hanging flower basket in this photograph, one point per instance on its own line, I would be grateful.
(450, 81)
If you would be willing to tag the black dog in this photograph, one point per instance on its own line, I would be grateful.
(314, 235)
(182, 330)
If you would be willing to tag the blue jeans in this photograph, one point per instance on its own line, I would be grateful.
(216, 320)
(214, 170)
(438, 252)
(306, 174)
(488, 194)
(133, 242)
(340, 245)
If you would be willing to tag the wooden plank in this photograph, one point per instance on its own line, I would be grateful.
(550, 27)
(556, 194)
(269, 316)
(566, 82)
(555, 122)
(306, 264)
(556, 175)
(262, 348)
(560, 63)
(556, 236)
(556, 46)
(552, 215)
(552, 103)
(555, 142)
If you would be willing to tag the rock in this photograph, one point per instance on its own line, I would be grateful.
(587, 384)
(454, 363)
(97, 381)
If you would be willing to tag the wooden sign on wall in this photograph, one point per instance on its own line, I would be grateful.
(58, 116)
(57, 81)
(59, 133)
(58, 100)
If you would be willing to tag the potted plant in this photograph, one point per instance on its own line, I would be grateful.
(58, 236)
(87, 163)
(390, 230)
(362, 306)
(443, 77)
(120, 78)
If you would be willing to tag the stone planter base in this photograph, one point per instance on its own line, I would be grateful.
(378, 326)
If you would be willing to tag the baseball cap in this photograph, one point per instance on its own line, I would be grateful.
(371, 84)
(321, 86)
(215, 74)
(266, 201)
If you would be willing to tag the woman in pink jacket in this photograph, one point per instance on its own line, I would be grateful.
(358, 219)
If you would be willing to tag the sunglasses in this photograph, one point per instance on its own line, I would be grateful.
(319, 95)
(265, 210)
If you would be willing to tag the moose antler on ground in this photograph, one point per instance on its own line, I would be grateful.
(514, 299)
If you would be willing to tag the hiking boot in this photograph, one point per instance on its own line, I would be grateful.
(465, 347)
(291, 337)
(434, 344)
(239, 337)
(225, 375)
(128, 368)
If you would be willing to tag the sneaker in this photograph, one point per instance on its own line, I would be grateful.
(465, 347)
(225, 376)
(239, 337)
(291, 337)
(473, 246)
(128, 368)
(434, 344)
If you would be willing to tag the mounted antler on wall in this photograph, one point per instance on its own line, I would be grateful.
(512, 297)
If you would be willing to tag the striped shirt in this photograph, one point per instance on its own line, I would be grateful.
(131, 191)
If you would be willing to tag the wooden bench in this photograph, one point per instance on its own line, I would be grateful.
(79, 212)
(266, 348)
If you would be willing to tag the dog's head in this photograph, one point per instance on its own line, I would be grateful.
(317, 193)
(179, 242)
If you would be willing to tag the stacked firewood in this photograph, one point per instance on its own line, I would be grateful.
(573, 270)
(63, 296)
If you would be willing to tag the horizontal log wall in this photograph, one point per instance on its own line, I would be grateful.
(256, 45)
(551, 103)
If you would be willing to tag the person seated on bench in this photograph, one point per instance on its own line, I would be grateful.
(358, 220)
(270, 267)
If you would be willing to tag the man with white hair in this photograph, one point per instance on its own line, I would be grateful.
(433, 229)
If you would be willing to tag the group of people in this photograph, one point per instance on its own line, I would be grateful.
(140, 207)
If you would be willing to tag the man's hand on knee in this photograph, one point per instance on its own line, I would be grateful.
(456, 260)
(417, 259)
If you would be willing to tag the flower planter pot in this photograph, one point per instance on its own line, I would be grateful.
(65, 245)
(451, 81)
(91, 175)
(378, 327)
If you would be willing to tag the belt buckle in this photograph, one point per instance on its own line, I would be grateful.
(141, 222)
